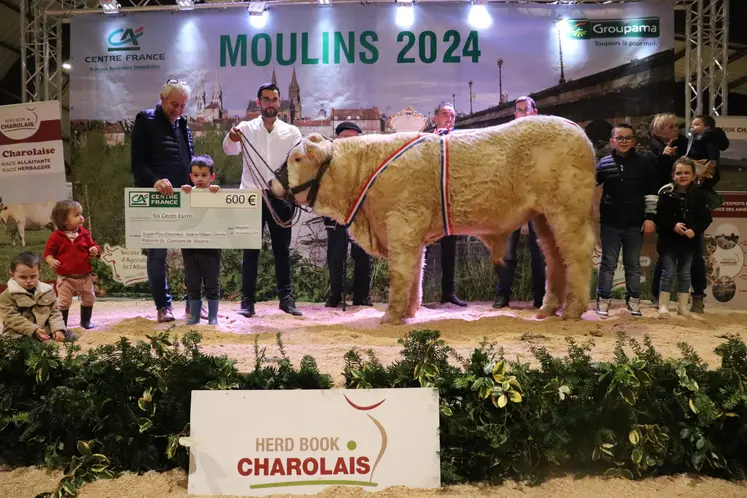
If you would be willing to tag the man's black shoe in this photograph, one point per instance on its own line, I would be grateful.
(332, 302)
(365, 302)
(247, 308)
(500, 302)
(453, 299)
(288, 305)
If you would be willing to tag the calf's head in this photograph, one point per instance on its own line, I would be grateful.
(299, 177)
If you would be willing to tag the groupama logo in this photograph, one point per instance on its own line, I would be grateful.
(125, 39)
(585, 29)
(344, 463)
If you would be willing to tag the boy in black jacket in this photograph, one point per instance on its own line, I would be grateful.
(626, 213)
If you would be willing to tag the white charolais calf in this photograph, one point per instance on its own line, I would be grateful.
(540, 168)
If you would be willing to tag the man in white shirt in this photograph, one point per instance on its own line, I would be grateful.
(273, 139)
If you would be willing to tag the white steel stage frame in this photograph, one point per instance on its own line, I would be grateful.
(706, 44)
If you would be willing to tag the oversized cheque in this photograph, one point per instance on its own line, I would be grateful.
(227, 219)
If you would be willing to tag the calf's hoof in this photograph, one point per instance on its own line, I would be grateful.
(392, 319)
(411, 312)
(546, 311)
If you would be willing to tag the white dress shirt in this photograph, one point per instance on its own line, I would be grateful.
(273, 146)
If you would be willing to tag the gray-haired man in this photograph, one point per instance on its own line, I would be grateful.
(162, 149)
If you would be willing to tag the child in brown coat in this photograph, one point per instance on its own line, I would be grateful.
(28, 307)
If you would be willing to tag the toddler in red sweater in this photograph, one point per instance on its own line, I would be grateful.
(68, 251)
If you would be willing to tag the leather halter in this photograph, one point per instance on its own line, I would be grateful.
(312, 185)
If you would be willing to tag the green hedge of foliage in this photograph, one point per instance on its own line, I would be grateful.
(125, 407)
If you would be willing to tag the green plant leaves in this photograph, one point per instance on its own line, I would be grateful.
(172, 446)
(634, 437)
(84, 448)
(636, 456)
(500, 401)
(144, 424)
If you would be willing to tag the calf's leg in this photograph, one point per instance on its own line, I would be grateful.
(574, 239)
(416, 291)
(405, 234)
(555, 281)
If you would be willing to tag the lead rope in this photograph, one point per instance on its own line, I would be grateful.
(259, 180)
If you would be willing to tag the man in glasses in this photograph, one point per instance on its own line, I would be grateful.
(162, 149)
(273, 140)
(524, 107)
(626, 214)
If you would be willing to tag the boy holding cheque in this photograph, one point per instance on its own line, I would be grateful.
(202, 265)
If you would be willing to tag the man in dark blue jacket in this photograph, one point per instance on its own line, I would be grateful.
(626, 213)
(162, 149)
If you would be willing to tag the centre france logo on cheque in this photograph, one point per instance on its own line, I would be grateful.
(154, 199)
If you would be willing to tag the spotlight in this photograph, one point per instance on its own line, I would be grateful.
(110, 6)
(185, 4)
(66, 66)
(404, 16)
(478, 16)
(325, 2)
(563, 25)
(256, 8)
(405, 2)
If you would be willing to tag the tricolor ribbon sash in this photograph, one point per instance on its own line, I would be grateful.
(378, 171)
(445, 204)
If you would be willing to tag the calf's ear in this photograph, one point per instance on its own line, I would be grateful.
(314, 152)
(315, 138)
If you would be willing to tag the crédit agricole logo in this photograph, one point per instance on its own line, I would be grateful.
(124, 40)
(344, 462)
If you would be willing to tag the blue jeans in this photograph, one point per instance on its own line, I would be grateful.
(613, 239)
(679, 260)
(506, 273)
(159, 287)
